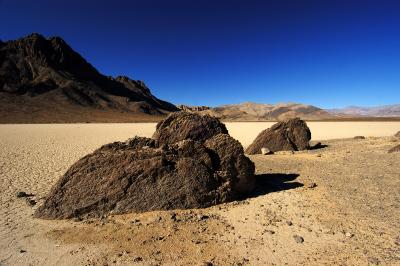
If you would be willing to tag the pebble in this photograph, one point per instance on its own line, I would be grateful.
(298, 239)
(349, 235)
(31, 202)
(374, 261)
(137, 259)
(202, 217)
(312, 185)
(266, 151)
(22, 194)
(173, 217)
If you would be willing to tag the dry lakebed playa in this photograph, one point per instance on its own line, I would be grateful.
(336, 205)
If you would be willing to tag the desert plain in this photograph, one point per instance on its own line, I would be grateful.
(336, 205)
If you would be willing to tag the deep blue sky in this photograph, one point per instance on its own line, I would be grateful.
(204, 52)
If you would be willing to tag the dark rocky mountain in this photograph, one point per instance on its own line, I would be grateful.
(45, 80)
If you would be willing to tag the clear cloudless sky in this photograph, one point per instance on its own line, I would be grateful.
(210, 52)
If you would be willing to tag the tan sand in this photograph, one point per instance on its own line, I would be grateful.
(351, 217)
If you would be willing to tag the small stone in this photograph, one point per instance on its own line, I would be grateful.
(319, 155)
(312, 185)
(22, 194)
(374, 261)
(22, 251)
(173, 217)
(298, 239)
(137, 259)
(207, 263)
(78, 219)
(349, 235)
(359, 137)
(31, 202)
(266, 151)
(202, 217)
(289, 223)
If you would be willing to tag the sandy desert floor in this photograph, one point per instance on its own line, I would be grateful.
(350, 216)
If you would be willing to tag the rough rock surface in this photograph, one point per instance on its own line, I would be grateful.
(288, 135)
(184, 125)
(138, 175)
(188, 108)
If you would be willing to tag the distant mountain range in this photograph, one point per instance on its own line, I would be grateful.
(45, 80)
(250, 111)
(260, 112)
(378, 111)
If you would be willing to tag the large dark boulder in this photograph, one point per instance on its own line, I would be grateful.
(139, 175)
(288, 135)
(184, 125)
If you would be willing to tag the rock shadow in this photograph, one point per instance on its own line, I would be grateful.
(274, 182)
(318, 146)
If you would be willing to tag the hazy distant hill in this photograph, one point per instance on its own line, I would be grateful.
(45, 80)
(260, 112)
(378, 111)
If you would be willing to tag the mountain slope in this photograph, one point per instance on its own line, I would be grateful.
(45, 80)
(260, 112)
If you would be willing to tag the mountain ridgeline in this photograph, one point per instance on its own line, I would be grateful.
(265, 112)
(45, 80)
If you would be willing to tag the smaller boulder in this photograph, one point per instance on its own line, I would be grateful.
(359, 137)
(394, 149)
(397, 135)
(288, 135)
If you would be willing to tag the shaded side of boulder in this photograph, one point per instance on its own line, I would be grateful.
(120, 179)
(183, 125)
(232, 163)
(397, 135)
(289, 135)
(394, 149)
